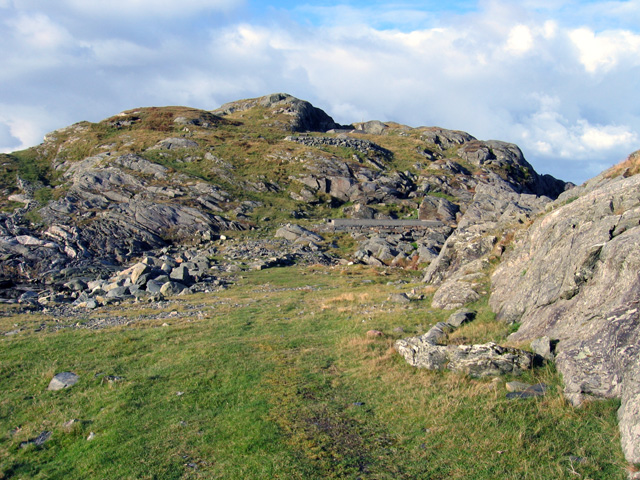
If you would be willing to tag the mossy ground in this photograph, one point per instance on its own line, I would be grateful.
(276, 378)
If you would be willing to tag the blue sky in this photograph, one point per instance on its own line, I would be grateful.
(560, 78)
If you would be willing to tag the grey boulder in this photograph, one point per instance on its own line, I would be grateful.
(172, 288)
(475, 360)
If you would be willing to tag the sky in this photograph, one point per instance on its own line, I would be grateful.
(560, 78)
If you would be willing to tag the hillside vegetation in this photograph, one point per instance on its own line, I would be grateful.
(277, 378)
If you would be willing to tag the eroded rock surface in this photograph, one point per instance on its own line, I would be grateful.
(574, 276)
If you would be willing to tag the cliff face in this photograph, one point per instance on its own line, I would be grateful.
(574, 276)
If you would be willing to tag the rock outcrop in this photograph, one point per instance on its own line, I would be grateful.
(459, 271)
(431, 351)
(573, 277)
(106, 193)
(303, 116)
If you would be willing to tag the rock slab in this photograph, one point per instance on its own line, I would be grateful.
(431, 351)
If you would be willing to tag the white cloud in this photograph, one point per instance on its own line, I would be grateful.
(605, 137)
(605, 51)
(520, 40)
(120, 53)
(515, 72)
(23, 127)
(8, 142)
(572, 145)
(38, 31)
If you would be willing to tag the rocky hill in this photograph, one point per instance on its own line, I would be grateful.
(98, 195)
(164, 198)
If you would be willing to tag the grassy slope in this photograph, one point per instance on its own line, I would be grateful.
(276, 378)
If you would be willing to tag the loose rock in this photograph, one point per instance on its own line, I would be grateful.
(461, 317)
(401, 298)
(63, 380)
(38, 441)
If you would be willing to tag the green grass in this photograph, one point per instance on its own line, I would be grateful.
(443, 195)
(276, 378)
(26, 164)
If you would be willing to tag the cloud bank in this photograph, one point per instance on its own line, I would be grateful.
(559, 81)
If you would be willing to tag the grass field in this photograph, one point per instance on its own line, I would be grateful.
(276, 378)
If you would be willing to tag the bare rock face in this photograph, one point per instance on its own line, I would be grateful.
(434, 208)
(457, 292)
(445, 138)
(122, 211)
(459, 271)
(495, 206)
(573, 276)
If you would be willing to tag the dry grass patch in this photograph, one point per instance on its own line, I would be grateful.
(352, 299)
(430, 290)
(628, 168)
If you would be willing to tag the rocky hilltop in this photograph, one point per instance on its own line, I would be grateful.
(94, 196)
(154, 201)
